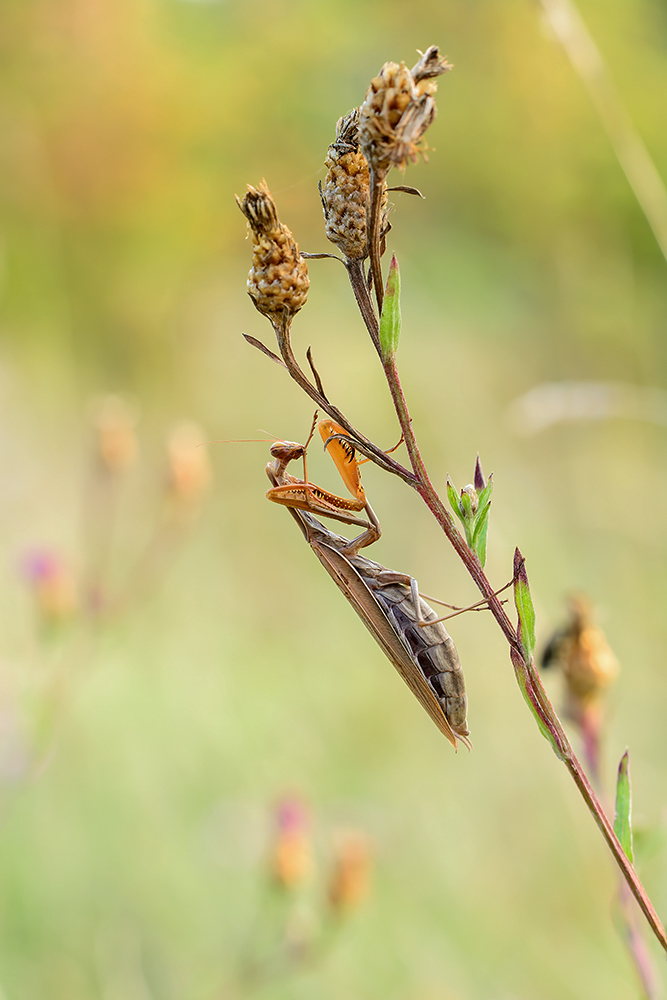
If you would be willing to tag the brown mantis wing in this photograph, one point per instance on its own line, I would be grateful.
(326, 546)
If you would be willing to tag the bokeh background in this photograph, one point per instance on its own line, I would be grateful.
(142, 753)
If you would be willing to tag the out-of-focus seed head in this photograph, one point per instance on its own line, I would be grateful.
(53, 586)
(588, 663)
(345, 193)
(189, 468)
(350, 876)
(114, 422)
(398, 108)
(278, 279)
(589, 666)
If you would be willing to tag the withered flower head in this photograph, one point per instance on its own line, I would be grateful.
(278, 279)
(345, 194)
(398, 108)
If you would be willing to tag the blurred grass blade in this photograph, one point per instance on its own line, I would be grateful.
(623, 816)
(524, 605)
(390, 321)
(631, 151)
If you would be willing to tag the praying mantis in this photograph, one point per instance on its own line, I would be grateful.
(389, 604)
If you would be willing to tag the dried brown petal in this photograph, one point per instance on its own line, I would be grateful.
(398, 108)
(278, 279)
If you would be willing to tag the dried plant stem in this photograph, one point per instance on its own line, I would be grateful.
(364, 444)
(524, 668)
(355, 270)
(527, 675)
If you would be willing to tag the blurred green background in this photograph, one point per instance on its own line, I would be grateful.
(140, 761)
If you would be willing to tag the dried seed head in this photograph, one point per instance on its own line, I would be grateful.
(398, 108)
(589, 665)
(583, 654)
(278, 279)
(345, 194)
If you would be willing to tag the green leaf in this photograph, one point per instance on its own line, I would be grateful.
(524, 605)
(623, 815)
(390, 320)
(454, 500)
(480, 532)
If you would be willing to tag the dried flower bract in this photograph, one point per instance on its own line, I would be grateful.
(278, 279)
(398, 108)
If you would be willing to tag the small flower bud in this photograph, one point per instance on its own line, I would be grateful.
(398, 108)
(348, 885)
(472, 493)
(345, 194)
(291, 857)
(278, 279)
(480, 481)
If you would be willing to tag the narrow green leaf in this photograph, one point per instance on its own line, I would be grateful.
(623, 815)
(524, 605)
(390, 320)
(485, 494)
(454, 500)
(480, 532)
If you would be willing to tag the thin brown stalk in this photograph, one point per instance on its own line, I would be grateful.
(364, 444)
(374, 225)
(355, 270)
(531, 680)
